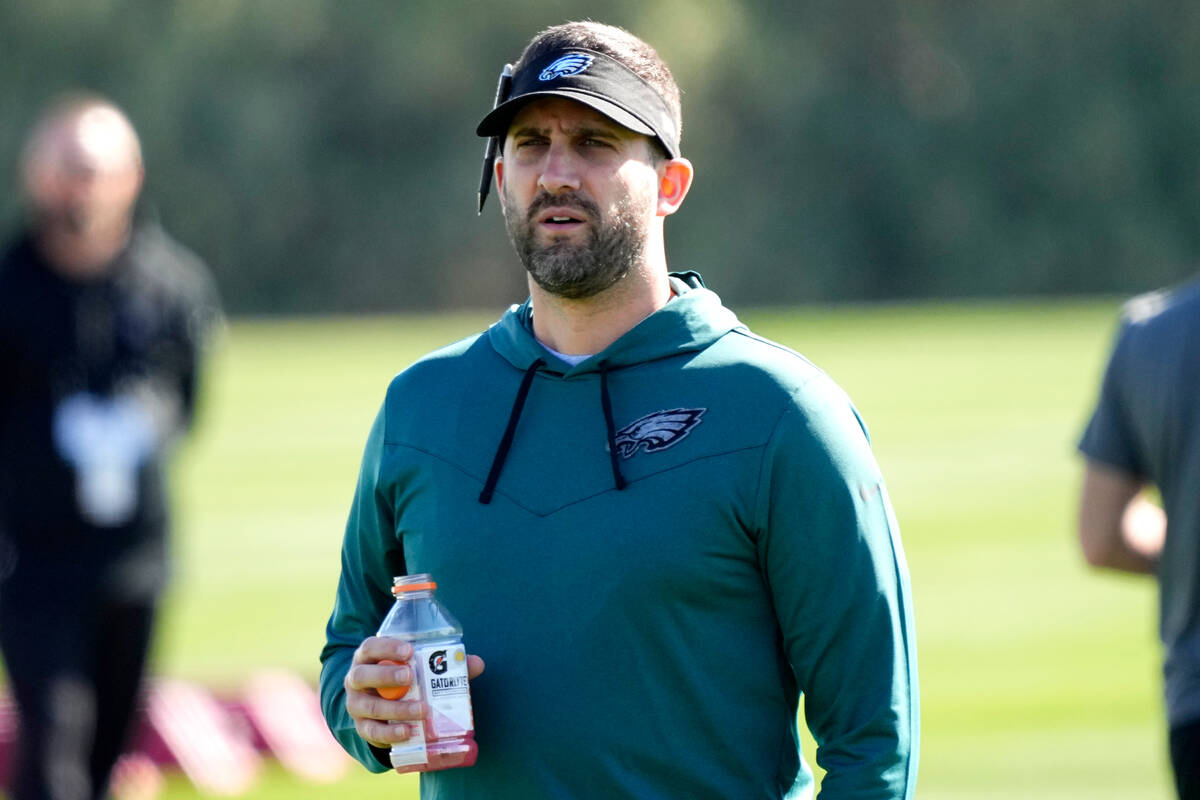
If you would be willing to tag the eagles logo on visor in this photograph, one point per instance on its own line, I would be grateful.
(566, 66)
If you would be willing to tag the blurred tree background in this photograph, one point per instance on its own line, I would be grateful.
(321, 156)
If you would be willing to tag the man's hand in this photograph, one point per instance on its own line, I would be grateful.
(379, 721)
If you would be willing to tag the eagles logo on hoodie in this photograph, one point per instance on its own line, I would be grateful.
(657, 431)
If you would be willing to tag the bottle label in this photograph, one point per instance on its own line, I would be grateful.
(443, 678)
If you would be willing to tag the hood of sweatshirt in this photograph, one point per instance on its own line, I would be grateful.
(691, 321)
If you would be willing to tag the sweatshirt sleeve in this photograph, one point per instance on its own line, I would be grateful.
(1110, 436)
(371, 556)
(831, 554)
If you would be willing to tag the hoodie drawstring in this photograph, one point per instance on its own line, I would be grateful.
(489, 486)
(618, 478)
(514, 416)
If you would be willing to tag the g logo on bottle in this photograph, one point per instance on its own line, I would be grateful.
(437, 662)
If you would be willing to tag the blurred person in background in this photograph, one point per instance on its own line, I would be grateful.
(103, 324)
(660, 530)
(1145, 434)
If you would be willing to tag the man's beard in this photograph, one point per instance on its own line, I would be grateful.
(577, 271)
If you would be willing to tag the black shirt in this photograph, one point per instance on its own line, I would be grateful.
(132, 336)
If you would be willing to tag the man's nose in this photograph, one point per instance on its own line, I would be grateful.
(560, 172)
(80, 184)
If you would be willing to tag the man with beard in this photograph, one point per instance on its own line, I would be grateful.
(102, 327)
(671, 532)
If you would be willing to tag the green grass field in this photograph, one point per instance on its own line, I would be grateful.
(1039, 677)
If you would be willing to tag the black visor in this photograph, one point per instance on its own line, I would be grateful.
(595, 80)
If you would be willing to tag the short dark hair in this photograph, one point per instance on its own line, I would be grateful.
(617, 43)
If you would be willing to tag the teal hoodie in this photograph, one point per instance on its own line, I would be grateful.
(658, 552)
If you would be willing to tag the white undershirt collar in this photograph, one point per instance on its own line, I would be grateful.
(573, 360)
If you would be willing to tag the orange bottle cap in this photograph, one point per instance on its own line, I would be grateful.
(414, 587)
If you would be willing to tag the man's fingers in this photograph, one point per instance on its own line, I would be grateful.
(475, 666)
(380, 648)
(381, 663)
(365, 705)
(384, 734)
(377, 676)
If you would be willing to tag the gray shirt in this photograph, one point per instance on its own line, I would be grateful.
(1147, 424)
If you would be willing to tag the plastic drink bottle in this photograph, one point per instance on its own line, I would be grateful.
(439, 665)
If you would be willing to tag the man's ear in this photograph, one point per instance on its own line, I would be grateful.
(674, 179)
(498, 176)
